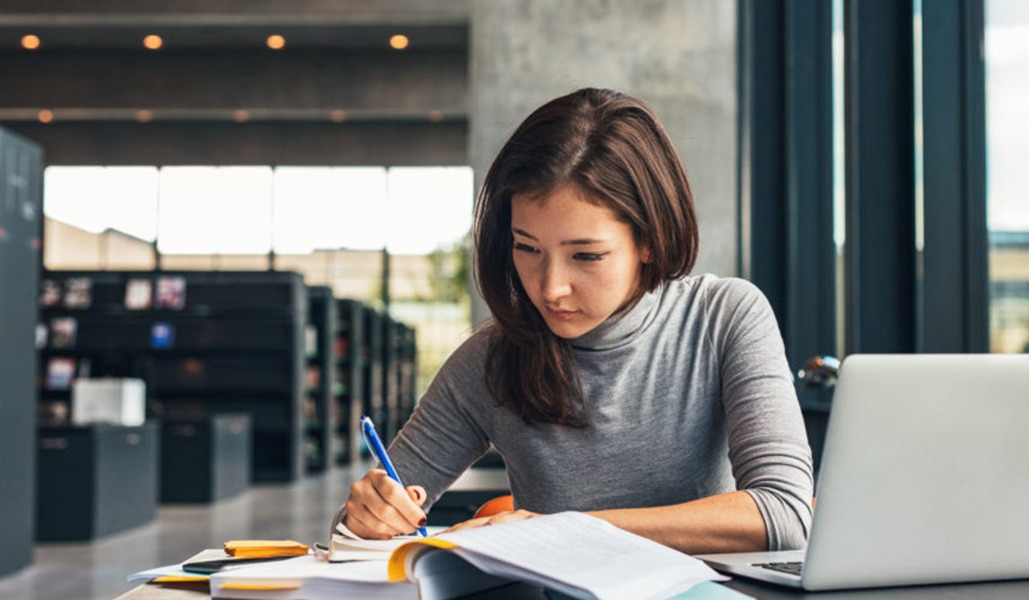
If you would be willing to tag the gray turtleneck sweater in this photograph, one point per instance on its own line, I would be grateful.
(688, 394)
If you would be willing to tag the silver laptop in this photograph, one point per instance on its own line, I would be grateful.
(924, 477)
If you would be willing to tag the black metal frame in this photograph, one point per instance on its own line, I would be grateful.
(954, 277)
(880, 180)
(785, 141)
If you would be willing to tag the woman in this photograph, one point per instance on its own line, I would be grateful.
(609, 380)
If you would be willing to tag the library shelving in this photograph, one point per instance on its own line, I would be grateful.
(399, 373)
(349, 387)
(373, 399)
(205, 343)
(319, 379)
(375, 357)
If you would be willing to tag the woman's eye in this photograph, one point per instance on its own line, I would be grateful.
(589, 256)
(525, 248)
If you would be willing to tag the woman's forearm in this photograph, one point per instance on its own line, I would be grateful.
(729, 522)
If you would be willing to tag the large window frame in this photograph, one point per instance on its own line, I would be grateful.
(914, 268)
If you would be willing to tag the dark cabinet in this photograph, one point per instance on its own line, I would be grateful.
(205, 460)
(21, 218)
(94, 481)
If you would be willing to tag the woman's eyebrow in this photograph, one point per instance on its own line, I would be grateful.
(575, 242)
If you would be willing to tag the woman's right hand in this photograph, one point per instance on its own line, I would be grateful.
(379, 508)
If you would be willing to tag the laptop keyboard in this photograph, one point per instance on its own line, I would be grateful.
(791, 567)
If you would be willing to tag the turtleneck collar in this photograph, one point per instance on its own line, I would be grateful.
(622, 327)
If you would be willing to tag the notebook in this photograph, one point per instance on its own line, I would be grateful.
(924, 477)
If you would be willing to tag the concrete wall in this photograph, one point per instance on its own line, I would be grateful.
(677, 55)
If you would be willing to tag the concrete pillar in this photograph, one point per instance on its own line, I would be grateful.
(677, 55)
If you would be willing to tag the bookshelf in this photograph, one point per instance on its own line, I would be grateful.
(205, 343)
(349, 389)
(320, 379)
(373, 400)
(399, 371)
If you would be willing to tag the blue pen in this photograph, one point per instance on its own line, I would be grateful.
(375, 444)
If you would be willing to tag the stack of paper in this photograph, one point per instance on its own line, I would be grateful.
(312, 579)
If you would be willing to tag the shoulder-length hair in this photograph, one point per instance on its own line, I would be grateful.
(613, 149)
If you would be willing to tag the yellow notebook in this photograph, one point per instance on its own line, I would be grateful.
(264, 548)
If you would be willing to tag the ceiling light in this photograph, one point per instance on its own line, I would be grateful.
(276, 42)
(144, 116)
(153, 42)
(337, 116)
(399, 42)
(45, 116)
(30, 42)
(241, 116)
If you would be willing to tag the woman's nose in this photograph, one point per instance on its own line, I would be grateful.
(555, 282)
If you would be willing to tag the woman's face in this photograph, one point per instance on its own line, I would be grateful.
(576, 260)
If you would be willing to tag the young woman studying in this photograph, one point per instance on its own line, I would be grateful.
(609, 379)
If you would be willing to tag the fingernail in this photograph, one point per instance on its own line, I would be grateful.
(423, 522)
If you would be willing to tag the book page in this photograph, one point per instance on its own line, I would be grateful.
(575, 553)
(308, 578)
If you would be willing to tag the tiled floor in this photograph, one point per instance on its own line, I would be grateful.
(97, 570)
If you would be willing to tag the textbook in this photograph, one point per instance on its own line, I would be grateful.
(570, 553)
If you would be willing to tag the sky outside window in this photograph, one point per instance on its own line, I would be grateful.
(100, 198)
(250, 210)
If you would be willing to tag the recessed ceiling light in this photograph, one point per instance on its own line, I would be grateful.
(30, 42)
(153, 42)
(399, 42)
(45, 116)
(276, 42)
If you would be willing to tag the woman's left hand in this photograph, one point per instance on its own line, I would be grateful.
(502, 517)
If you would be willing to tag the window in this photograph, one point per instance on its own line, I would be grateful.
(334, 225)
(1007, 135)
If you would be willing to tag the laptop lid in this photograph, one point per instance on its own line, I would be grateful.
(925, 473)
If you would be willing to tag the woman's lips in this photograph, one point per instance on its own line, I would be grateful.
(558, 313)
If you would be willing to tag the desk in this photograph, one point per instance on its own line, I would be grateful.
(993, 590)
(998, 590)
(1003, 590)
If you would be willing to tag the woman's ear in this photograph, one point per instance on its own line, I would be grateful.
(645, 257)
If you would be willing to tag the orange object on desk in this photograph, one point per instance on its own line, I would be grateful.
(264, 548)
(494, 506)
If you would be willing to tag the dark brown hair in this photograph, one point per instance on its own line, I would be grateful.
(613, 149)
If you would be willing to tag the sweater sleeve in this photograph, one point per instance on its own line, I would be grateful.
(768, 447)
(446, 433)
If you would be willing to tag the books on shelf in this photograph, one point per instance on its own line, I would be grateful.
(570, 553)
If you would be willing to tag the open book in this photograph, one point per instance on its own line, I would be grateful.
(572, 553)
